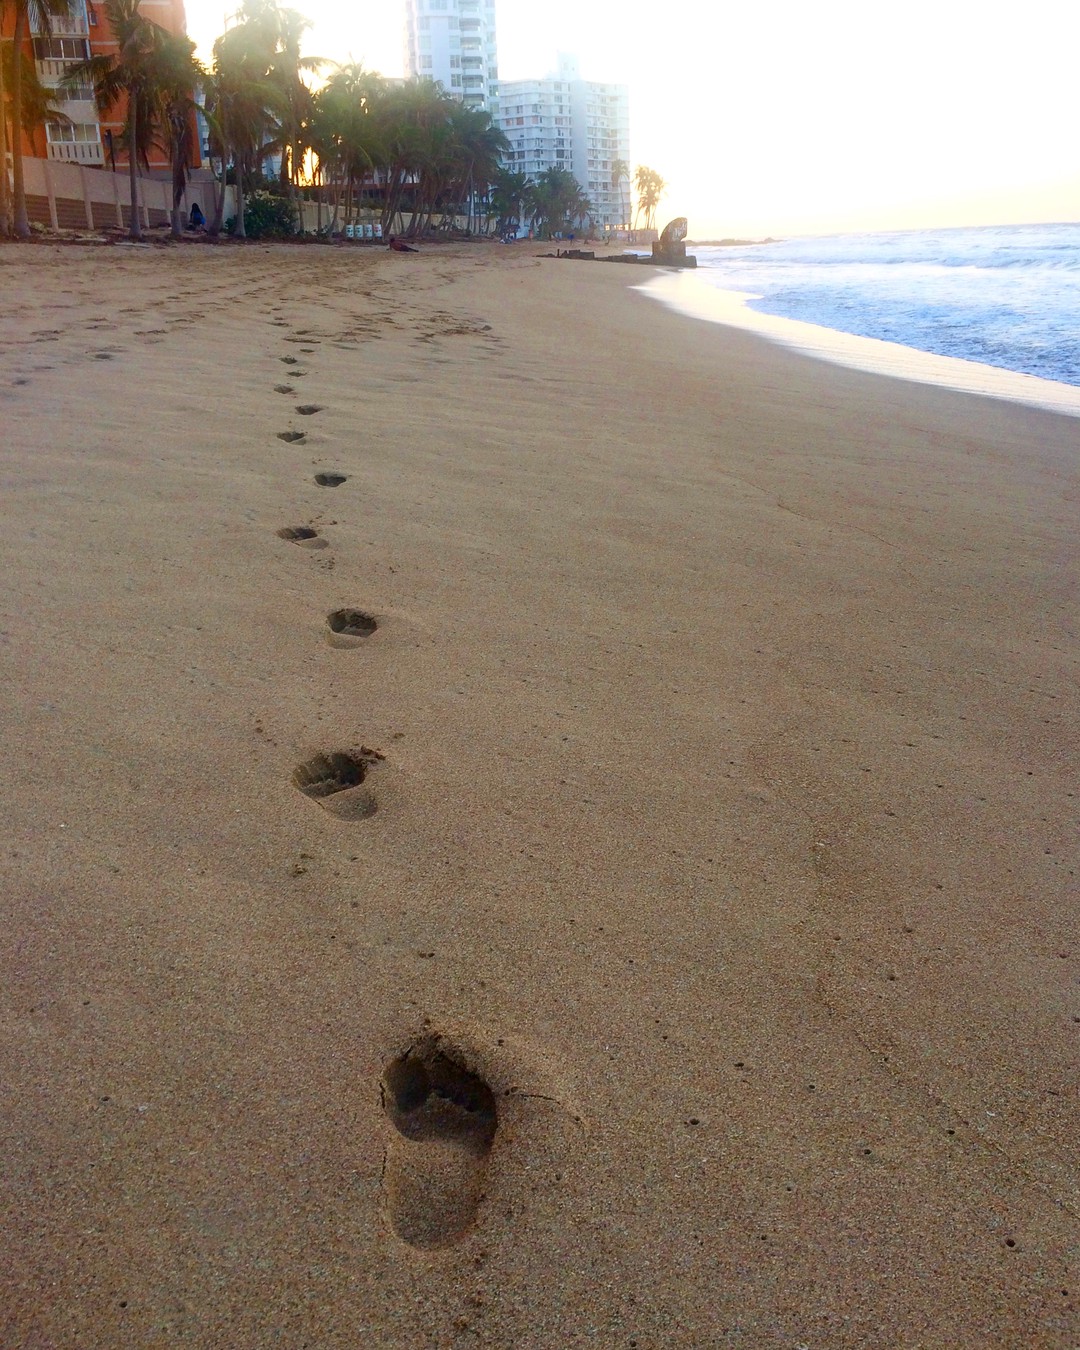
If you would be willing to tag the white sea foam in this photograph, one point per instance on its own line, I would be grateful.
(993, 310)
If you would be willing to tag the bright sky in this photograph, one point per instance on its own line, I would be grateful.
(785, 117)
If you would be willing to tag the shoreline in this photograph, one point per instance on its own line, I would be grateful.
(717, 744)
(692, 295)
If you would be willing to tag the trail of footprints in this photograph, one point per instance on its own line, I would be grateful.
(442, 1117)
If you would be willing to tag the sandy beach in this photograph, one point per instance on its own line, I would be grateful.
(696, 962)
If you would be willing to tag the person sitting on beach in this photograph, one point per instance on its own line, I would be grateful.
(400, 246)
(198, 220)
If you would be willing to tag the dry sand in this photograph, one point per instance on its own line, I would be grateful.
(726, 830)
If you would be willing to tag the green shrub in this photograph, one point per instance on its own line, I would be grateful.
(266, 216)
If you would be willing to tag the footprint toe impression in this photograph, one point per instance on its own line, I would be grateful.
(445, 1120)
(351, 623)
(335, 781)
(303, 535)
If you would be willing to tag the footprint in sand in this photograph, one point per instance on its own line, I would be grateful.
(445, 1118)
(348, 627)
(284, 389)
(303, 535)
(335, 781)
(290, 436)
(331, 479)
(309, 409)
(289, 360)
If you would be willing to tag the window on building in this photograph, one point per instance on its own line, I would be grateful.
(61, 49)
(455, 81)
(69, 132)
(425, 63)
(424, 23)
(455, 63)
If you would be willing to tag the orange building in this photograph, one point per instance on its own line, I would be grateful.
(88, 137)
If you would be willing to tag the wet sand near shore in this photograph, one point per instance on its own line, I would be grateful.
(531, 820)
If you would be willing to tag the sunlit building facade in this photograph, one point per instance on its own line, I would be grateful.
(565, 122)
(453, 42)
(82, 135)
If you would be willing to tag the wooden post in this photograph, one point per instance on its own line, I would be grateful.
(54, 220)
(86, 197)
(116, 199)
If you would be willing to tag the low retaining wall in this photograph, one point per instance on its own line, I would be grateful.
(77, 197)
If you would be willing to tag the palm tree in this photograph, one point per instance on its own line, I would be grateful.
(509, 192)
(554, 200)
(650, 188)
(406, 118)
(272, 34)
(620, 173)
(29, 14)
(5, 186)
(243, 104)
(176, 75)
(131, 73)
(475, 152)
(37, 108)
(582, 211)
(344, 131)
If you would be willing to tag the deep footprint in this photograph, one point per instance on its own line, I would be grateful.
(335, 781)
(303, 535)
(309, 409)
(331, 479)
(445, 1117)
(289, 360)
(351, 623)
(284, 389)
(290, 436)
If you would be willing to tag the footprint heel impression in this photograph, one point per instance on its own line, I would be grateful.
(444, 1118)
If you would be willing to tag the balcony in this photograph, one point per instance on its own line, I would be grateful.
(76, 103)
(65, 25)
(79, 152)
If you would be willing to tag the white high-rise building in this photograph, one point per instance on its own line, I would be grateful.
(453, 42)
(565, 122)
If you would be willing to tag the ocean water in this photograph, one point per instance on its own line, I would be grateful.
(982, 301)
